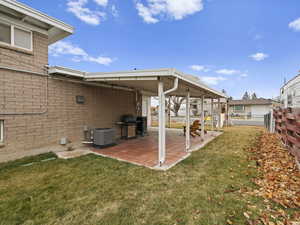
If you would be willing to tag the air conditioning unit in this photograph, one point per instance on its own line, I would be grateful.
(104, 137)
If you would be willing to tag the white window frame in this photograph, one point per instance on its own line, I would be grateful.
(12, 36)
(1, 131)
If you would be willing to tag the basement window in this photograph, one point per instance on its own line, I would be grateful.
(1, 131)
(15, 36)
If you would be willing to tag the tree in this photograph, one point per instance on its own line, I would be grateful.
(254, 96)
(246, 96)
(175, 104)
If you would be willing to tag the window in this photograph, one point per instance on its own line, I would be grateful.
(22, 38)
(289, 100)
(15, 36)
(238, 108)
(5, 33)
(1, 131)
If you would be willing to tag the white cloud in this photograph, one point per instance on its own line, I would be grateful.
(199, 68)
(227, 71)
(244, 75)
(259, 56)
(155, 10)
(101, 60)
(101, 2)
(295, 25)
(258, 37)
(145, 13)
(114, 11)
(212, 80)
(77, 7)
(67, 48)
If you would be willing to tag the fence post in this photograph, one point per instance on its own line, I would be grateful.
(272, 122)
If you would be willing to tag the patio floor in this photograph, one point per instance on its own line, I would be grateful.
(144, 150)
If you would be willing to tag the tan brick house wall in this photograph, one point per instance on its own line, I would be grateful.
(34, 61)
(56, 116)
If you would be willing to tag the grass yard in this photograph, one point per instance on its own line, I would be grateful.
(96, 190)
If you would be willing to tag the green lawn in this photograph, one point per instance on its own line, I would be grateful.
(96, 190)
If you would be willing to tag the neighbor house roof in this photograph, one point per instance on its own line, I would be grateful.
(23, 15)
(144, 80)
(259, 101)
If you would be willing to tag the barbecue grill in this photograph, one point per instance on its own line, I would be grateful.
(131, 126)
(128, 126)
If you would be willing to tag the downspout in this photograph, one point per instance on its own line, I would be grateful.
(174, 88)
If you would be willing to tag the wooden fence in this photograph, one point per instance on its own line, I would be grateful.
(287, 125)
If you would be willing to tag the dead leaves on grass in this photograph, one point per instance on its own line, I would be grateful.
(279, 181)
(280, 177)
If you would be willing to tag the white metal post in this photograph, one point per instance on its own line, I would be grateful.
(219, 114)
(149, 119)
(226, 113)
(202, 116)
(169, 112)
(212, 114)
(187, 121)
(162, 125)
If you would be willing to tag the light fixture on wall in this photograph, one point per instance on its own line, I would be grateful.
(80, 99)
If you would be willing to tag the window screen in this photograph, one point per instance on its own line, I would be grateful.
(22, 38)
(5, 33)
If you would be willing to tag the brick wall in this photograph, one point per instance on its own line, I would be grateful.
(63, 117)
(25, 60)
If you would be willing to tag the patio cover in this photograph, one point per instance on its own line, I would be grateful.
(145, 80)
(155, 82)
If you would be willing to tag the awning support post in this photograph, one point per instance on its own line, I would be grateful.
(162, 125)
(219, 114)
(202, 117)
(187, 121)
(212, 114)
(162, 119)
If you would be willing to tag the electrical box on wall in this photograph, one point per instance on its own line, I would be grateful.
(80, 99)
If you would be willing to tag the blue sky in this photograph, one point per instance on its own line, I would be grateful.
(236, 45)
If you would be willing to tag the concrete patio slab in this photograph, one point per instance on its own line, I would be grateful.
(143, 151)
(73, 153)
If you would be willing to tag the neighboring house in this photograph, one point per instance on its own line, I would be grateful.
(250, 109)
(196, 107)
(290, 93)
(196, 103)
(41, 105)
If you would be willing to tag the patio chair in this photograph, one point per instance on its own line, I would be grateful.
(195, 129)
